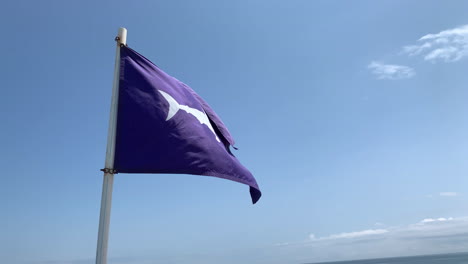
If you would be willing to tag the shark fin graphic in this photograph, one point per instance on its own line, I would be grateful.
(174, 107)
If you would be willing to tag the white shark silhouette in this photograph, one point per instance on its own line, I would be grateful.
(174, 107)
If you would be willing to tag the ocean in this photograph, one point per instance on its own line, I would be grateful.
(454, 258)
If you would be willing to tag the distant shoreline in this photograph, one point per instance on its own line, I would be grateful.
(395, 260)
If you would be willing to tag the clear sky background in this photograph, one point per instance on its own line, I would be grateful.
(352, 118)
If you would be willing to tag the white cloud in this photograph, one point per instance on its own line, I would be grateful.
(428, 236)
(390, 71)
(448, 45)
(449, 194)
(431, 220)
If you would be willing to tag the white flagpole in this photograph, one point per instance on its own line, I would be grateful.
(106, 199)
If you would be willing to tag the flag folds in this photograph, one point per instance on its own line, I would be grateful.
(163, 126)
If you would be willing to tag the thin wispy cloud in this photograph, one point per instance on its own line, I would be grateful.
(449, 194)
(356, 234)
(448, 45)
(390, 71)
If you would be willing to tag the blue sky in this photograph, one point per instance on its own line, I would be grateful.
(351, 115)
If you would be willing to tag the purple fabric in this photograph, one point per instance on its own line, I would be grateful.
(150, 139)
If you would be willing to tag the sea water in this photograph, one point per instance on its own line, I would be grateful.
(454, 258)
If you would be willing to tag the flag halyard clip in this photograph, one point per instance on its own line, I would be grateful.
(111, 171)
(117, 39)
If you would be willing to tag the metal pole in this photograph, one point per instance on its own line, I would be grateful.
(106, 199)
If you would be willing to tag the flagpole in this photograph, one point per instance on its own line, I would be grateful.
(106, 199)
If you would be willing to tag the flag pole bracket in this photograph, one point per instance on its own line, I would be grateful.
(111, 171)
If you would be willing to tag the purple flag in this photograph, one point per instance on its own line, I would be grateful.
(163, 126)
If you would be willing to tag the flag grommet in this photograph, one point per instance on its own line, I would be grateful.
(111, 171)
